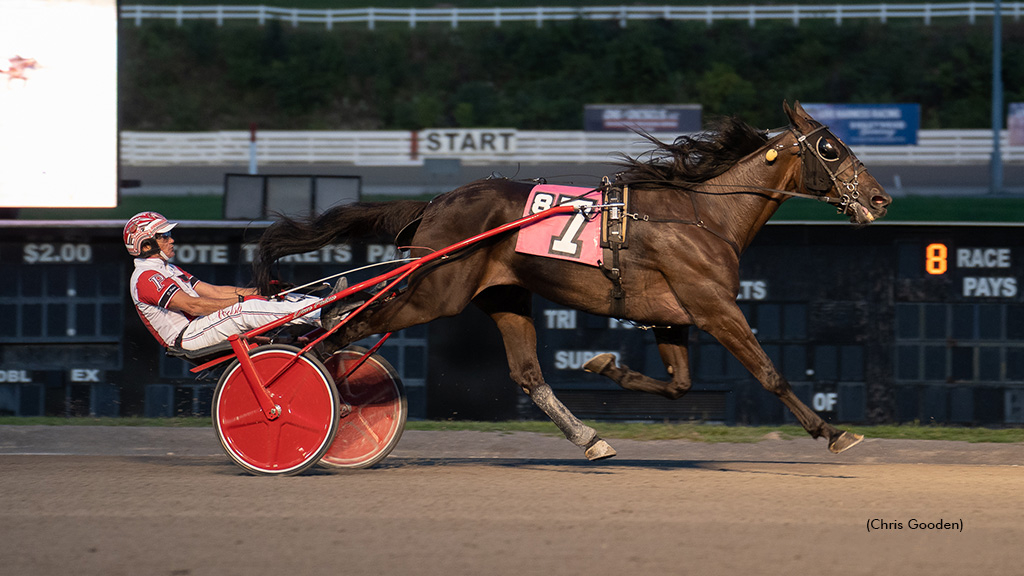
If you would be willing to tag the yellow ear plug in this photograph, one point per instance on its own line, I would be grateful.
(771, 155)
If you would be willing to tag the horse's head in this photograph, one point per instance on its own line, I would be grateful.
(829, 170)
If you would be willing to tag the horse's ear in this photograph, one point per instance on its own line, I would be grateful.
(800, 110)
(798, 117)
(789, 112)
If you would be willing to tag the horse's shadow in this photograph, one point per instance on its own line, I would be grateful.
(570, 466)
(609, 466)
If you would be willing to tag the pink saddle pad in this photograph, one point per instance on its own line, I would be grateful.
(565, 236)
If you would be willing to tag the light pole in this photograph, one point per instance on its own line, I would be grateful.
(996, 164)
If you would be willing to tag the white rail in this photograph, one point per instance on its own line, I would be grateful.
(397, 148)
(795, 13)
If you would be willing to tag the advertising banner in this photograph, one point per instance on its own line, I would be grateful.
(676, 118)
(58, 103)
(870, 124)
(1015, 123)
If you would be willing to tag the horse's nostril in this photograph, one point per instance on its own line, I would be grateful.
(879, 201)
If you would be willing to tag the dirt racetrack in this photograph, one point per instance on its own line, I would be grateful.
(148, 501)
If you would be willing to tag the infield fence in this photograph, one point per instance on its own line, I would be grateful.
(482, 146)
(540, 15)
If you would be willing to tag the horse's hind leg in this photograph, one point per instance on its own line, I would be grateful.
(672, 345)
(509, 307)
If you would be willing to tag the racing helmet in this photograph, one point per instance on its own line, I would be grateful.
(144, 226)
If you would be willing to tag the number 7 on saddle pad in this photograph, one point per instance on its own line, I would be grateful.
(571, 237)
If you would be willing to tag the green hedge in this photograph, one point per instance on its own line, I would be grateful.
(203, 77)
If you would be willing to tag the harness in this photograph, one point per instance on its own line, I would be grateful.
(614, 223)
(823, 159)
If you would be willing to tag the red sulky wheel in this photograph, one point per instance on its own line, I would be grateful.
(373, 410)
(298, 438)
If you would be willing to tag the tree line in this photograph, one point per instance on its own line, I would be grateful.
(199, 76)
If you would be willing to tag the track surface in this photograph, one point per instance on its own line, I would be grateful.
(84, 500)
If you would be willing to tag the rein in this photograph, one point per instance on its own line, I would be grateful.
(697, 221)
(736, 189)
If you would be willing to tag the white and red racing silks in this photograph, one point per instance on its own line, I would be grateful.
(153, 284)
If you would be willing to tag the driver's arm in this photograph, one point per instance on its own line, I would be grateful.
(211, 299)
(213, 291)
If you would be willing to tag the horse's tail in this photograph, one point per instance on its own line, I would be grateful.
(362, 220)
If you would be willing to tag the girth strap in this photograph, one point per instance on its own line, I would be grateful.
(613, 239)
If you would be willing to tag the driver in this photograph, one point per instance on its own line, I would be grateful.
(184, 312)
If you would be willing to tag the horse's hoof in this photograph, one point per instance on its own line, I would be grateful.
(599, 450)
(599, 363)
(844, 442)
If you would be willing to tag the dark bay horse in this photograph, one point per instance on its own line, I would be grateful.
(695, 205)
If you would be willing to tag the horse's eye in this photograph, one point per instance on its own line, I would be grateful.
(827, 149)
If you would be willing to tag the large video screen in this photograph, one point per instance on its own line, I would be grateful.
(58, 103)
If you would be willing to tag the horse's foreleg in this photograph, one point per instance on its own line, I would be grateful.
(672, 345)
(511, 314)
(733, 332)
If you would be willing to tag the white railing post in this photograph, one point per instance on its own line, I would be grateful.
(927, 11)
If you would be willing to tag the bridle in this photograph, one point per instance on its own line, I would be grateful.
(824, 158)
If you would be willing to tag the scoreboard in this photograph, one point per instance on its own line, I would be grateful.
(893, 322)
(968, 260)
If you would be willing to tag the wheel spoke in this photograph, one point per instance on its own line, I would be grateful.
(369, 428)
(275, 455)
(305, 423)
(242, 420)
(284, 389)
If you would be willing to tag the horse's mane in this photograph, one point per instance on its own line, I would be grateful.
(695, 158)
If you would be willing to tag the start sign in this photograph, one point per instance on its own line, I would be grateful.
(467, 142)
